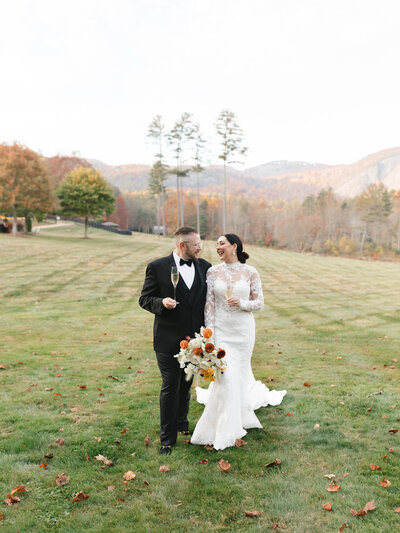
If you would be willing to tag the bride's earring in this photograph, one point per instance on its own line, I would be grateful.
(233, 253)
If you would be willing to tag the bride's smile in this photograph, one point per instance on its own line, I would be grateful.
(226, 250)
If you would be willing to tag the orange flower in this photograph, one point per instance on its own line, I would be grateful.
(184, 344)
(220, 353)
(207, 333)
(198, 351)
(209, 347)
(208, 374)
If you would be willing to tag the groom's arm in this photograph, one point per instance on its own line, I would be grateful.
(150, 298)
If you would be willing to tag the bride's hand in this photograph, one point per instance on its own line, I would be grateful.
(234, 301)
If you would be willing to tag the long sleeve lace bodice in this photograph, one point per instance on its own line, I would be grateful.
(245, 284)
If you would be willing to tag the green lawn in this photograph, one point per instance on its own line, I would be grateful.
(70, 322)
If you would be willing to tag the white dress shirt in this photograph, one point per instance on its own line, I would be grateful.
(187, 272)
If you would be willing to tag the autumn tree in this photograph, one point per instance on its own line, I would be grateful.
(119, 215)
(60, 165)
(374, 205)
(178, 137)
(231, 138)
(24, 182)
(85, 193)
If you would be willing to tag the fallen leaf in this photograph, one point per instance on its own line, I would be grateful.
(111, 487)
(333, 487)
(104, 460)
(342, 527)
(11, 500)
(146, 483)
(147, 440)
(289, 414)
(385, 482)
(346, 474)
(60, 442)
(240, 442)
(316, 426)
(224, 465)
(164, 468)
(139, 371)
(391, 450)
(120, 499)
(277, 462)
(275, 526)
(19, 488)
(62, 479)
(43, 465)
(252, 514)
(80, 496)
(208, 447)
(2, 517)
(86, 457)
(370, 506)
(129, 475)
(307, 384)
(375, 467)
(47, 389)
(341, 403)
(329, 476)
(3, 367)
(133, 454)
(204, 461)
(393, 430)
(113, 377)
(397, 510)
(124, 431)
(186, 441)
(57, 394)
(97, 438)
(327, 507)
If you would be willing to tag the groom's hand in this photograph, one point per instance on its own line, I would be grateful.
(169, 303)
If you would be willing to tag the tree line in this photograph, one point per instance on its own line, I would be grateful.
(31, 187)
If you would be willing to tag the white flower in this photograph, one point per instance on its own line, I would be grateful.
(195, 343)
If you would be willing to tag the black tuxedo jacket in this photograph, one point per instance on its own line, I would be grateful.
(173, 325)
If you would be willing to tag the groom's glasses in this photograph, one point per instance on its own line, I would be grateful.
(194, 244)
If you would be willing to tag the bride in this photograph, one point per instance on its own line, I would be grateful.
(233, 292)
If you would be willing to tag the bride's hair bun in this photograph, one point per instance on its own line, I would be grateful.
(234, 239)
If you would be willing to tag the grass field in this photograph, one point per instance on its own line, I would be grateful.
(71, 324)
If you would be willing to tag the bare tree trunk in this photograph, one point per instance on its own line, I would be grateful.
(224, 202)
(163, 211)
(86, 228)
(15, 221)
(198, 205)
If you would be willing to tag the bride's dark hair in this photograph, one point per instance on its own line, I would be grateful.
(234, 239)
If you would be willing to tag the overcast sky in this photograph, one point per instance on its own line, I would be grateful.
(311, 80)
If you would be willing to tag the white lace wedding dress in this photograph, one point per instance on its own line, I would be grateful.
(230, 402)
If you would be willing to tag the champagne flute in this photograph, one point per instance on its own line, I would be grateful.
(228, 290)
(174, 278)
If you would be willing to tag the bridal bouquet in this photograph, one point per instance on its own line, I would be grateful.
(199, 356)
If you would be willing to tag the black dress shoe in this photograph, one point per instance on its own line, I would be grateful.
(165, 450)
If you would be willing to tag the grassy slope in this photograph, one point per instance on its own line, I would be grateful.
(69, 307)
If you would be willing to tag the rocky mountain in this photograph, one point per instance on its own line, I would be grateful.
(277, 179)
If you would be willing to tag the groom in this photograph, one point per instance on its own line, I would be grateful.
(173, 322)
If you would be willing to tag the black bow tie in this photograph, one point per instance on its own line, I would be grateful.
(184, 262)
